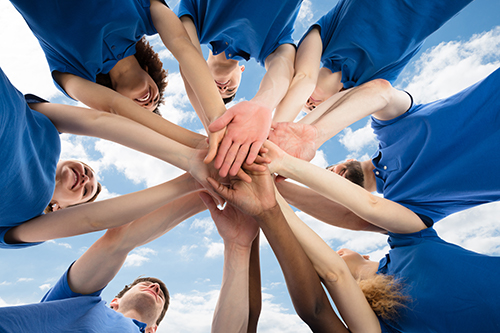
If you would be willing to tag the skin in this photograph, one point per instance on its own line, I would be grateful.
(226, 73)
(75, 183)
(328, 84)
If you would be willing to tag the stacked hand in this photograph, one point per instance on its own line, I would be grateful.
(298, 140)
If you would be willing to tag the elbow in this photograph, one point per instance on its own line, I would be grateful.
(382, 88)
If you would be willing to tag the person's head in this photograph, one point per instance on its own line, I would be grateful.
(384, 293)
(147, 297)
(326, 86)
(143, 83)
(351, 170)
(75, 184)
(226, 74)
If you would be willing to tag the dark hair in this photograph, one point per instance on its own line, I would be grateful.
(229, 99)
(49, 208)
(146, 57)
(163, 288)
(354, 172)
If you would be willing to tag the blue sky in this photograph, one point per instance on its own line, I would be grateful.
(189, 258)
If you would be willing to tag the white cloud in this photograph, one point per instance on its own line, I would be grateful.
(186, 251)
(215, 250)
(320, 159)
(206, 225)
(139, 256)
(25, 279)
(65, 245)
(176, 101)
(305, 15)
(5, 283)
(26, 67)
(356, 141)
(44, 287)
(450, 67)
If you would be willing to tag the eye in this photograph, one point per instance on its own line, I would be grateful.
(85, 191)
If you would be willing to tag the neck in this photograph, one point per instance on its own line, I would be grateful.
(370, 180)
(122, 67)
(368, 270)
(134, 314)
(220, 62)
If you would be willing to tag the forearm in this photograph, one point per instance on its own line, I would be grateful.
(323, 209)
(378, 211)
(195, 69)
(100, 215)
(275, 82)
(232, 310)
(255, 293)
(105, 257)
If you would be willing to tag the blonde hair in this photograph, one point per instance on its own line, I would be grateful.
(385, 295)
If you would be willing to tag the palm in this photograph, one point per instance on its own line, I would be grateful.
(236, 227)
(296, 139)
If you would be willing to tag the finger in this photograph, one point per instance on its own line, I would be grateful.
(208, 201)
(254, 151)
(254, 167)
(223, 149)
(243, 176)
(262, 160)
(279, 179)
(211, 190)
(229, 159)
(220, 189)
(212, 151)
(221, 122)
(240, 158)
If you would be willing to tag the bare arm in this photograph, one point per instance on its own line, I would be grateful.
(102, 98)
(343, 288)
(258, 200)
(323, 209)
(102, 261)
(238, 232)
(306, 69)
(255, 293)
(100, 215)
(380, 212)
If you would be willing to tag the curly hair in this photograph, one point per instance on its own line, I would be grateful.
(146, 57)
(163, 288)
(385, 295)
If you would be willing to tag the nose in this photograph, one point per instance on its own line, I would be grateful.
(156, 287)
(222, 88)
(85, 179)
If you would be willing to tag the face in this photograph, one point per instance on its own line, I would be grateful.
(139, 87)
(355, 261)
(227, 81)
(326, 87)
(146, 298)
(75, 183)
(350, 169)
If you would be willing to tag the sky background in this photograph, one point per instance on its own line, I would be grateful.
(190, 257)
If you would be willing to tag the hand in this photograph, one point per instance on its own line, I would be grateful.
(276, 155)
(233, 226)
(251, 198)
(214, 139)
(296, 139)
(248, 125)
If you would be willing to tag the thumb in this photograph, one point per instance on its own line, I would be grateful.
(221, 122)
(213, 146)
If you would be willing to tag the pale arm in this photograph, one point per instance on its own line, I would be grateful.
(306, 69)
(100, 215)
(102, 261)
(326, 210)
(380, 212)
(102, 98)
(248, 122)
(343, 288)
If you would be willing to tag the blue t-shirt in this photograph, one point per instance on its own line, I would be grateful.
(62, 310)
(452, 289)
(243, 29)
(30, 148)
(86, 38)
(440, 158)
(367, 39)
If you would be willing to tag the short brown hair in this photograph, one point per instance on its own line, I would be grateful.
(146, 57)
(163, 288)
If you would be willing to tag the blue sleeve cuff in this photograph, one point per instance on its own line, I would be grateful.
(4, 245)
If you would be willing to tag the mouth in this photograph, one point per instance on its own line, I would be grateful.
(315, 101)
(221, 83)
(153, 293)
(145, 98)
(77, 177)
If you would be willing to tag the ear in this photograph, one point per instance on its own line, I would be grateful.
(55, 206)
(366, 257)
(115, 304)
(350, 160)
(151, 329)
(242, 67)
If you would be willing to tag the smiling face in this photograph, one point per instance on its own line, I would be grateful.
(139, 87)
(75, 183)
(226, 74)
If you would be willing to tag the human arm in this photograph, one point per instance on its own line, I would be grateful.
(194, 68)
(100, 215)
(378, 211)
(333, 271)
(248, 122)
(323, 209)
(306, 69)
(258, 200)
(255, 289)
(102, 261)
(102, 98)
(376, 97)
(238, 232)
